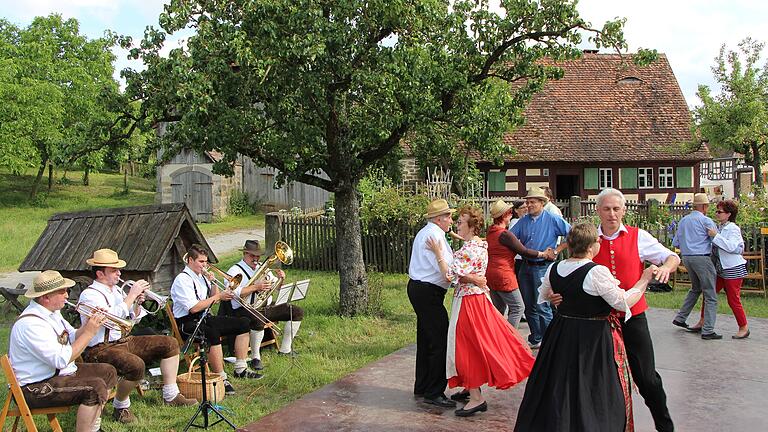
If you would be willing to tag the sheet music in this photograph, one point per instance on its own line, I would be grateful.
(294, 291)
(284, 293)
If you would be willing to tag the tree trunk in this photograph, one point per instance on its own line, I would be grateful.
(125, 182)
(86, 180)
(50, 177)
(353, 287)
(40, 171)
(756, 162)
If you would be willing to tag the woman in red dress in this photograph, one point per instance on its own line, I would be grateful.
(483, 348)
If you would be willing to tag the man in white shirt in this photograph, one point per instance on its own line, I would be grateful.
(127, 354)
(43, 347)
(192, 294)
(426, 291)
(290, 313)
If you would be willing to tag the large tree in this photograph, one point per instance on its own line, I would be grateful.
(334, 87)
(736, 117)
(60, 101)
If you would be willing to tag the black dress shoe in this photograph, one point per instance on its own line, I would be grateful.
(711, 336)
(680, 324)
(461, 396)
(470, 412)
(694, 329)
(440, 401)
(746, 335)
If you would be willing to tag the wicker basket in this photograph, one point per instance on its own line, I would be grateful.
(191, 384)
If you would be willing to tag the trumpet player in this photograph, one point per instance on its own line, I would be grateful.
(192, 293)
(127, 354)
(291, 314)
(43, 348)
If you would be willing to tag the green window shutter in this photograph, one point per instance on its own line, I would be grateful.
(628, 178)
(497, 181)
(684, 177)
(590, 178)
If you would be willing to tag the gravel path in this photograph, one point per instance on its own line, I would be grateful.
(221, 245)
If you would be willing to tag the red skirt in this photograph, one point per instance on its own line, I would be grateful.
(488, 350)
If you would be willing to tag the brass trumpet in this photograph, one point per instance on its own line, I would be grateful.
(151, 296)
(234, 282)
(113, 322)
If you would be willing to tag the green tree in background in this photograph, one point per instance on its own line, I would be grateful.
(60, 102)
(736, 118)
(312, 87)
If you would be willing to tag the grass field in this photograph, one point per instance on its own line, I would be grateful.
(22, 220)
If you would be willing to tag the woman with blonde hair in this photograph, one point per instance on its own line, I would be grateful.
(483, 348)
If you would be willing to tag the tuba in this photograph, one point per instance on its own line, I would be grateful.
(284, 253)
(113, 322)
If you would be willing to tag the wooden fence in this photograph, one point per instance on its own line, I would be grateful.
(388, 248)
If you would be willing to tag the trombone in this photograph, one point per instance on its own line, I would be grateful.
(151, 296)
(113, 322)
(234, 282)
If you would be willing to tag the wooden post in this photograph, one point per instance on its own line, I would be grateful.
(272, 232)
(575, 204)
(652, 209)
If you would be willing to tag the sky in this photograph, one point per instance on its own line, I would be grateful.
(689, 32)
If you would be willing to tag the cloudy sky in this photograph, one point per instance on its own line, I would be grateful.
(689, 32)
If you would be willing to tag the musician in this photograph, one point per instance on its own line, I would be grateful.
(43, 348)
(128, 354)
(289, 313)
(192, 294)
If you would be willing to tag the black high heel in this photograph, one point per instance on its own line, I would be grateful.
(470, 412)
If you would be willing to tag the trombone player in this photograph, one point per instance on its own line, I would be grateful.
(127, 354)
(192, 294)
(289, 313)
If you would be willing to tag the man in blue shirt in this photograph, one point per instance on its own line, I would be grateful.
(695, 247)
(537, 230)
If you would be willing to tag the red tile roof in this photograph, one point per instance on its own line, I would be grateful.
(606, 109)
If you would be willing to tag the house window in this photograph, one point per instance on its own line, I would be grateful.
(545, 172)
(606, 178)
(666, 180)
(645, 178)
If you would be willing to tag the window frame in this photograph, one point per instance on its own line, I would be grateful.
(668, 176)
(608, 178)
(646, 173)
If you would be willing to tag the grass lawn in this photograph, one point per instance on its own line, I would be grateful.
(22, 221)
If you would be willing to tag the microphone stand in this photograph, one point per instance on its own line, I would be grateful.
(205, 405)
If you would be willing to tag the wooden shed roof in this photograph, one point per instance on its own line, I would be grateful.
(140, 235)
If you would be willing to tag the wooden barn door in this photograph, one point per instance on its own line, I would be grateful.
(196, 190)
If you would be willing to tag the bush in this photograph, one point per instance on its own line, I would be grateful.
(240, 204)
(384, 204)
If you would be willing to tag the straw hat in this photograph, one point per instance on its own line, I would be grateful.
(499, 208)
(105, 258)
(47, 282)
(252, 247)
(537, 192)
(700, 199)
(438, 207)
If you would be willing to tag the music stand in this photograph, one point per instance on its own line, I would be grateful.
(293, 292)
(205, 404)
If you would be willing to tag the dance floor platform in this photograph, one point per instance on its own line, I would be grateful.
(711, 386)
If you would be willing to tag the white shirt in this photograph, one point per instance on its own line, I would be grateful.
(648, 247)
(187, 290)
(553, 208)
(598, 282)
(730, 244)
(423, 266)
(112, 299)
(34, 349)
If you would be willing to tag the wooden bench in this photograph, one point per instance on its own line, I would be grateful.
(22, 410)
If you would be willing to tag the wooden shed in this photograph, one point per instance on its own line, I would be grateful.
(151, 239)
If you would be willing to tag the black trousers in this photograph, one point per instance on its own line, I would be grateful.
(637, 340)
(214, 327)
(431, 337)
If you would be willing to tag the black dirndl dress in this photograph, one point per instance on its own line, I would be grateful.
(575, 384)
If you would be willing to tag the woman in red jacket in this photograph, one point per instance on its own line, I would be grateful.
(502, 248)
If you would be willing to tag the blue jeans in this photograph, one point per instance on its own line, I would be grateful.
(537, 315)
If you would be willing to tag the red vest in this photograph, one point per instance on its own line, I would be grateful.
(622, 258)
(500, 273)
